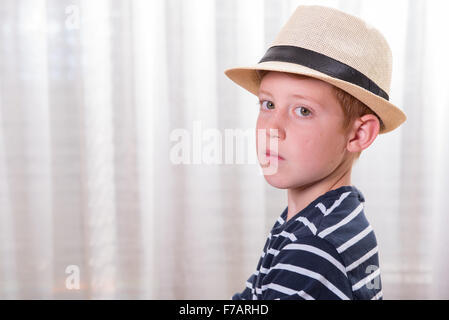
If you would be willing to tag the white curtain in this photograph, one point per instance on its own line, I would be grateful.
(94, 97)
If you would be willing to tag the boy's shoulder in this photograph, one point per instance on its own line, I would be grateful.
(347, 227)
(341, 214)
(341, 228)
(337, 217)
(330, 238)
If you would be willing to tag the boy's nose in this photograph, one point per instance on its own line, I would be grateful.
(275, 131)
(276, 126)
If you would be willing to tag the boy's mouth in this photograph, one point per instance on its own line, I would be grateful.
(270, 153)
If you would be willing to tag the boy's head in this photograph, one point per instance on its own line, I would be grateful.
(321, 129)
(341, 66)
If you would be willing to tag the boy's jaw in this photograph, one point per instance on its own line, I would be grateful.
(289, 174)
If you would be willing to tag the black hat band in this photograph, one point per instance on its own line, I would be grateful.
(324, 64)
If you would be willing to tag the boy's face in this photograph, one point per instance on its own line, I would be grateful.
(309, 129)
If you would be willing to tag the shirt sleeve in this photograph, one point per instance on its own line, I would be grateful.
(309, 268)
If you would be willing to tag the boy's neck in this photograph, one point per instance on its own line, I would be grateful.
(299, 198)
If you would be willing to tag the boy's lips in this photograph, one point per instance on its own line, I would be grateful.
(270, 153)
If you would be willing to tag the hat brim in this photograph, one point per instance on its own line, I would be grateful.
(248, 78)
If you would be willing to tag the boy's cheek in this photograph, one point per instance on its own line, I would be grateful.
(311, 148)
(261, 123)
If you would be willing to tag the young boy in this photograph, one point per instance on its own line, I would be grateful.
(323, 90)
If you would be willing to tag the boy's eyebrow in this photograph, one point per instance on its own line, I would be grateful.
(295, 95)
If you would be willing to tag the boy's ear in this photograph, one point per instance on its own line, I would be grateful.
(364, 131)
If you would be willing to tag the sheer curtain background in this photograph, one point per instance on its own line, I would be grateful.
(95, 94)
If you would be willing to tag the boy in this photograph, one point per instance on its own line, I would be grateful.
(323, 91)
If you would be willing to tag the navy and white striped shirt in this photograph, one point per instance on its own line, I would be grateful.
(326, 251)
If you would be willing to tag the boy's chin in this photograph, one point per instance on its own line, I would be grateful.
(277, 181)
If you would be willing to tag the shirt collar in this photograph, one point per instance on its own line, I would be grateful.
(327, 199)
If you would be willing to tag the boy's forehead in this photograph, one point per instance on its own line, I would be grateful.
(307, 87)
(263, 73)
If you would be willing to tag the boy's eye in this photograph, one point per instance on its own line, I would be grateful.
(267, 104)
(302, 111)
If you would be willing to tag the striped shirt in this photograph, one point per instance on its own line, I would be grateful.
(326, 251)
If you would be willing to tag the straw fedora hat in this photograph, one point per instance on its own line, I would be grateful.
(333, 46)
